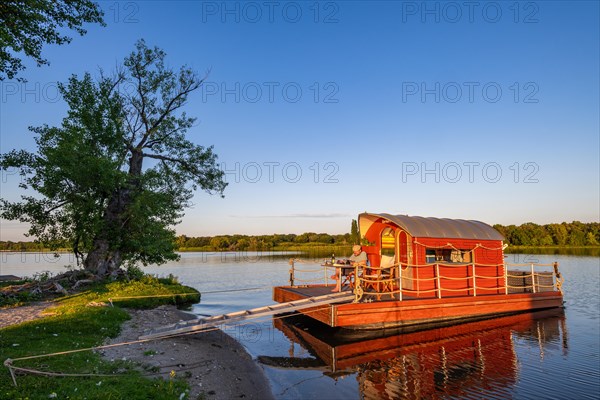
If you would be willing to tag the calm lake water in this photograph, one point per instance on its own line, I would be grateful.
(553, 355)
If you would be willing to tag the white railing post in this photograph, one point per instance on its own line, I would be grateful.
(416, 277)
(474, 281)
(400, 281)
(292, 273)
(505, 278)
(532, 279)
(437, 274)
(358, 290)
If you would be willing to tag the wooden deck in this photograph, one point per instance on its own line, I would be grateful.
(312, 291)
(413, 311)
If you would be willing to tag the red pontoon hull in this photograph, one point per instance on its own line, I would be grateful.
(382, 314)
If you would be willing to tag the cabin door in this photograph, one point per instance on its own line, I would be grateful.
(405, 258)
(388, 243)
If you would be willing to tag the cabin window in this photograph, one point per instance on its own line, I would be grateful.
(447, 256)
(388, 242)
(430, 256)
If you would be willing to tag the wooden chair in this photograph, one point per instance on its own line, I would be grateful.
(370, 278)
(377, 279)
(348, 277)
(388, 273)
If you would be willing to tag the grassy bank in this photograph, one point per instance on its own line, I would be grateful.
(77, 322)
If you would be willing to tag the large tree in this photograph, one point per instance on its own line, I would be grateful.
(115, 177)
(26, 25)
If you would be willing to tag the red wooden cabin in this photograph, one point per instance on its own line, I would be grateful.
(425, 248)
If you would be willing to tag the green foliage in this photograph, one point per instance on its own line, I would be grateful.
(573, 234)
(354, 234)
(26, 26)
(169, 280)
(94, 192)
(17, 299)
(21, 246)
(262, 242)
(134, 272)
(13, 299)
(75, 326)
(529, 234)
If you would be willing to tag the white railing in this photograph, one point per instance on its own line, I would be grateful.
(396, 281)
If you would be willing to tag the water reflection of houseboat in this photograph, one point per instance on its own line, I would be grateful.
(426, 271)
(450, 361)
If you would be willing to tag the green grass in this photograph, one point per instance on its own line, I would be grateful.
(75, 326)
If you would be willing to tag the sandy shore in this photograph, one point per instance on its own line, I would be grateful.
(215, 365)
(18, 315)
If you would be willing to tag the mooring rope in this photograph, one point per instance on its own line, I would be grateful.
(237, 290)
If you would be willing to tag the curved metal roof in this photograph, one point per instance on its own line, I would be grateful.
(434, 227)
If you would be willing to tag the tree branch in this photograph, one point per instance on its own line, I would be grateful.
(171, 107)
(59, 205)
(160, 139)
(163, 158)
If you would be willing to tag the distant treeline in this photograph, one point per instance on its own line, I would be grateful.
(263, 242)
(529, 234)
(573, 234)
(566, 234)
(21, 246)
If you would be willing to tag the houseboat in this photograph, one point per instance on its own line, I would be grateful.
(420, 273)
(423, 271)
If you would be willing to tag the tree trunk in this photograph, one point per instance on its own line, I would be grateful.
(105, 256)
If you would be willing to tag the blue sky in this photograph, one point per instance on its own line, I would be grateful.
(320, 111)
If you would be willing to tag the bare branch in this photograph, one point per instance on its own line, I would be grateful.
(59, 205)
(162, 138)
(142, 95)
(163, 158)
(172, 106)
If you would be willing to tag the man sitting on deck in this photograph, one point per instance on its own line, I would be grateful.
(358, 258)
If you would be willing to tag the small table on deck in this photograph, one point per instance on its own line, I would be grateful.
(342, 270)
